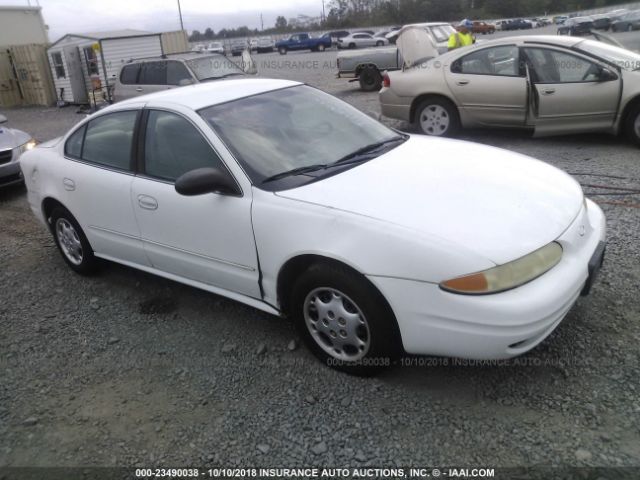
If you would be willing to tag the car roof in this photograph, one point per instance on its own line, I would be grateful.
(205, 94)
(561, 40)
(178, 56)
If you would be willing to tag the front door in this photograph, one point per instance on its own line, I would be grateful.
(490, 86)
(571, 92)
(206, 238)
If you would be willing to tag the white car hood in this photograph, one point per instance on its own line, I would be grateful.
(499, 204)
(12, 138)
(416, 45)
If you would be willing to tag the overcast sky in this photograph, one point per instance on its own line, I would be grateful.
(77, 16)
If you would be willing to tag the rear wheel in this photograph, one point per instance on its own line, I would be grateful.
(344, 320)
(321, 48)
(437, 117)
(72, 242)
(282, 51)
(632, 124)
(352, 45)
(370, 79)
(379, 43)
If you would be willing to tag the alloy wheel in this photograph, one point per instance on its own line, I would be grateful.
(434, 120)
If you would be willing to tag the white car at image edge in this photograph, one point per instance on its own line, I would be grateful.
(282, 197)
(13, 143)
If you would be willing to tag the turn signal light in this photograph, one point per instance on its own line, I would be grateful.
(386, 81)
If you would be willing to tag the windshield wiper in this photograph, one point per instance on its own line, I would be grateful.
(294, 171)
(367, 149)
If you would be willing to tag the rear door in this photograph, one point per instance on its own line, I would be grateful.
(153, 77)
(571, 93)
(490, 85)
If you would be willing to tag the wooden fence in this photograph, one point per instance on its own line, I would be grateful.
(25, 77)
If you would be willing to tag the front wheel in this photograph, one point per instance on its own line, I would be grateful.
(632, 124)
(437, 117)
(379, 44)
(344, 320)
(282, 51)
(370, 79)
(321, 48)
(72, 242)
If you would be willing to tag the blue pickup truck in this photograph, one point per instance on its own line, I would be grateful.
(302, 41)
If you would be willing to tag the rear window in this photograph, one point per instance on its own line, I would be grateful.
(129, 74)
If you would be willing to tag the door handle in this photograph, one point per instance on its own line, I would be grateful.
(147, 202)
(139, 89)
(462, 83)
(549, 91)
(69, 184)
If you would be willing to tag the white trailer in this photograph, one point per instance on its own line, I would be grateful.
(85, 66)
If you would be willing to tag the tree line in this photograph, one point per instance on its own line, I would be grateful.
(360, 13)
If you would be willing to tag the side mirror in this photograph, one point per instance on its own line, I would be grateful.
(606, 75)
(3, 119)
(206, 180)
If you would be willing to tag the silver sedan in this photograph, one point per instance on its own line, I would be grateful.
(361, 39)
(13, 143)
(548, 84)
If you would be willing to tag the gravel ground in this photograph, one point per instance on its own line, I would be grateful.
(129, 369)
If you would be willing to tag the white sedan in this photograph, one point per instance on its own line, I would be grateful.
(361, 39)
(279, 196)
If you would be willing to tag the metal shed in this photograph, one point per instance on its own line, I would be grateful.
(85, 66)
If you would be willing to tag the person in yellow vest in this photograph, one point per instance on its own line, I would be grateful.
(463, 37)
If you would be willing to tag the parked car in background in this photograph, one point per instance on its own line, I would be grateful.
(560, 19)
(215, 47)
(148, 75)
(533, 21)
(199, 48)
(303, 41)
(265, 45)
(576, 26)
(13, 143)
(601, 21)
(366, 66)
(517, 24)
(335, 35)
(372, 255)
(500, 24)
(483, 28)
(370, 32)
(238, 45)
(627, 23)
(360, 40)
(253, 44)
(549, 84)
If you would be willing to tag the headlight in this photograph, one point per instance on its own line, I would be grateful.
(26, 147)
(507, 276)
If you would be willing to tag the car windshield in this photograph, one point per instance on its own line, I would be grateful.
(625, 59)
(293, 128)
(212, 67)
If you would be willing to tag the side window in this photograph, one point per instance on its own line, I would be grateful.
(92, 60)
(176, 71)
(173, 146)
(552, 66)
(58, 65)
(500, 61)
(73, 147)
(109, 139)
(129, 74)
(153, 73)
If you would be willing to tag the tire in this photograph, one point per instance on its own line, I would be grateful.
(632, 124)
(321, 48)
(282, 51)
(72, 242)
(370, 79)
(352, 45)
(379, 44)
(373, 340)
(442, 118)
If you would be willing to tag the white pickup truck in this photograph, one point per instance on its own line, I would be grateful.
(367, 65)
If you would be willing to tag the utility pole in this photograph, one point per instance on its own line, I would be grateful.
(180, 14)
(261, 22)
(324, 17)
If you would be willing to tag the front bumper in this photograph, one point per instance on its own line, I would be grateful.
(10, 173)
(502, 325)
(394, 106)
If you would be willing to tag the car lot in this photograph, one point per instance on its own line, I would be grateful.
(125, 368)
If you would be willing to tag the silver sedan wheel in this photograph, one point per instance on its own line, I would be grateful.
(434, 120)
(69, 241)
(337, 324)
